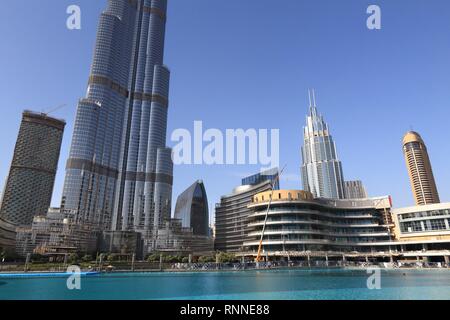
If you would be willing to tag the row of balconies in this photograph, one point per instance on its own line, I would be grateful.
(280, 242)
(337, 234)
(311, 212)
(319, 222)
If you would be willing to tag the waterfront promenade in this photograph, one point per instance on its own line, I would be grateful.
(20, 269)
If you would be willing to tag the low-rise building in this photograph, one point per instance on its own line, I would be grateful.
(297, 223)
(423, 232)
(299, 226)
(425, 223)
(175, 239)
(56, 234)
(122, 243)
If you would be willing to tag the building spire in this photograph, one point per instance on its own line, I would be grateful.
(322, 173)
(312, 101)
(312, 98)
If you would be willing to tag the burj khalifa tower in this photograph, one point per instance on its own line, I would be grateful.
(119, 174)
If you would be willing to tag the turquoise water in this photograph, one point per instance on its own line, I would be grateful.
(43, 275)
(253, 285)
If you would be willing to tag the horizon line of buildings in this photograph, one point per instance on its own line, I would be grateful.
(332, 218)
(117, 194)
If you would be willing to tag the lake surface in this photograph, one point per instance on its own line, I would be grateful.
(252, 285)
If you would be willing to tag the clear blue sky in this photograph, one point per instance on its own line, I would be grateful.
(248, 64)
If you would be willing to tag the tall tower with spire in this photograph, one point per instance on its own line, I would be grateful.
(322, 173)
(119, 172)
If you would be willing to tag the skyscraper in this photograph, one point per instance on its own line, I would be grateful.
(322, 173)
(119, 172)
(419, 169)
(192, 209)
(30, 182)
(355, 190)
(232, 216)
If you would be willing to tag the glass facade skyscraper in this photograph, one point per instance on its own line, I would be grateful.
(192, 209)
(322, 173)
(271, 175)
(119, 172)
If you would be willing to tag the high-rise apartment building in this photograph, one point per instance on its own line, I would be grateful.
(419, 169)
(231, 225)
(322, 173)
(29, 186)
(232, 216)
(355, 190)
(119, 172)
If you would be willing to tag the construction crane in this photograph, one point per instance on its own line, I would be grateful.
(259, 257)
(54, 109)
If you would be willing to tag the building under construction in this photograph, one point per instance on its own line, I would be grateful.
(56, 234)
(29, 185)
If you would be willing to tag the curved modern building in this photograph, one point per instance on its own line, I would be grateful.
(322, 173)
(192, 209)
(419, 169)
(232, 217)
(299, 223)
(119, 172)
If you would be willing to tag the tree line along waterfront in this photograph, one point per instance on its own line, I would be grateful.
(165, 262)
(11, 262)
